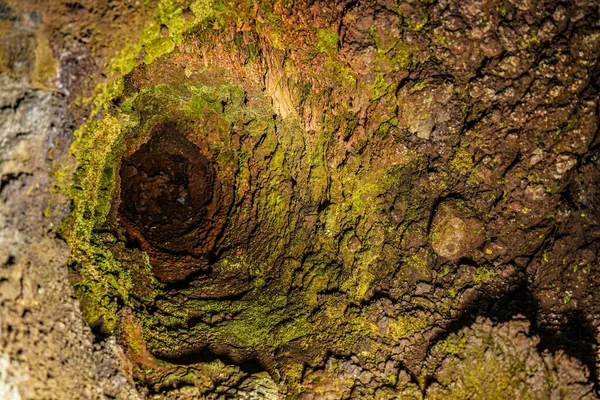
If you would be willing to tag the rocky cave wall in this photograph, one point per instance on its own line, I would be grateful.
(299, 199)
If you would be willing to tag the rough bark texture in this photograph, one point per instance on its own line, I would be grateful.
(299, 199)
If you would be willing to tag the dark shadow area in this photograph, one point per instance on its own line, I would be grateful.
(99, 332)
(571, 333)
(575, 336)
(165, 187)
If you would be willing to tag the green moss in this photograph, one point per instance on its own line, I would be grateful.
(94, 148)
(328, 40)
(158, 48)
(419, 25)
(151, 43)
(403, 57)
(415, 262)
(445, 271)
(251, 327)
(528, 43)
(405, 326)
(379, 87)
(104, 284)
(483, 275)
(442, 40)
(462, 162)
(342, 73)
(482, 370)
(419, 86)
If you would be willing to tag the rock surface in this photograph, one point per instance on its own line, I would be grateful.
(370, 199)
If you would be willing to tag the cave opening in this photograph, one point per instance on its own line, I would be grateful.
(166, 186)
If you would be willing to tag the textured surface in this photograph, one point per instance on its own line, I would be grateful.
(396, 199)
(47, 350)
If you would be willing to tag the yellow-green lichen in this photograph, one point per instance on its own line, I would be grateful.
(462, 162)
(405, 326)
(327, 41)
(483, 275)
